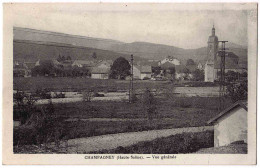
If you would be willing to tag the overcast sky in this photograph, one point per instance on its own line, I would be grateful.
(185, 26)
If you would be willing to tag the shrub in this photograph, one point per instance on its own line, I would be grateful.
(24, 107)
(87, 95)
(237, 91)
(149, 103)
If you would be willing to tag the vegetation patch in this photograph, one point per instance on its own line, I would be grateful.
(175, 144)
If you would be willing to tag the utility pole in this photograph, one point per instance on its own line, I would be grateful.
(131, 88)
(222, 75)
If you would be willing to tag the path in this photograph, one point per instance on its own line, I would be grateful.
(112, 141)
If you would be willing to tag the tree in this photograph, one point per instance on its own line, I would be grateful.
(24, 106)
(45, 67)
(172, 73)
(190, 62)
(94, 55)
(149, 104)
(198, 75)
(59, 59)
(186, 72)
(68, 58)
(63, 58)
(237, 91)
(156, 70)
(120, 68)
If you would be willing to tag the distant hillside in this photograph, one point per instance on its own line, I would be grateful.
(105, 48)
(159, 51)
(33, 51)
(47, 36)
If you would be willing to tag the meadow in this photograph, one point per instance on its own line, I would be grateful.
(78, 84)
(86, 119)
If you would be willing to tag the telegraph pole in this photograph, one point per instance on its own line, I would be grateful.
(222, 75)
(131, 88)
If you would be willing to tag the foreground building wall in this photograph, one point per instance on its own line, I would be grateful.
(231, 128)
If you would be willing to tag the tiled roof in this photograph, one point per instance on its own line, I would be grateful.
(83, 62)
(146, 69)
(242, 104)
(231, 61)
(167, 65)
(98, 70)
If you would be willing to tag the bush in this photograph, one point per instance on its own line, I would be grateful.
(87, 95)
(24, 106)
(42, 127)
(149, 103)
(42, 94)
(146, 78)
(237, 91)
(59, 95)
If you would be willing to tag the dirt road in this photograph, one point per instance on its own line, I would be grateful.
(112, 141)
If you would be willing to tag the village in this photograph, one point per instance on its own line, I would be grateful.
(147, 101)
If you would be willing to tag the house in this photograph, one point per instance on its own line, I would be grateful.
(210, 76)
(21, 70)
(230, 125)
(171, 60)
(101, 70)
(146, 72)
(100, 73)
(142, 72)
(82, 63)
(167, 65)
(136, 72)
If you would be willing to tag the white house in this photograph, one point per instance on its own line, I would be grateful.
(171, 60)
(210, 74)
(146, 72)
(82, 63)
(101, 70)
(230, 125)
(136, 72)
(141, 72)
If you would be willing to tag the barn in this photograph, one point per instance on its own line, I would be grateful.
(230, 125)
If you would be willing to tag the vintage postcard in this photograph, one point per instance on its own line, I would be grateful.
(129, 83)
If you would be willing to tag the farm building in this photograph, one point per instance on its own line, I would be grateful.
(101, 70)
(171, 60)
(146, 72)
(142, 72)
(100, 73)
(82, 63)
(230, 125)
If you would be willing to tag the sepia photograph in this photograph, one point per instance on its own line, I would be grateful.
(105, 79)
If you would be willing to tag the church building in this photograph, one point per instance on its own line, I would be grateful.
(213, 61)
(210, 72)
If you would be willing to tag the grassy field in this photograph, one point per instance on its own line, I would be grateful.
(183, 108)
(181, 112)
(78, 84)
(188, 112)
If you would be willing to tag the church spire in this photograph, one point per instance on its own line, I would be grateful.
(213, 30)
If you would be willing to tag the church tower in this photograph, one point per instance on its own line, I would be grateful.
(212, 46)
(210, 73)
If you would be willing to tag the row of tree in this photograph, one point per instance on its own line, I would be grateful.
(49, 69)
